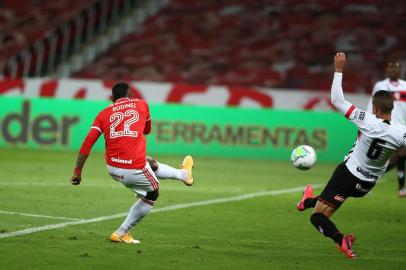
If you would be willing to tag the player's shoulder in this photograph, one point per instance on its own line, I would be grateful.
(398, 126)
(101, 116)
(399, 130)
(381, 83)
(141, 102)
(363, 116)
(402, 82)
(369, 121)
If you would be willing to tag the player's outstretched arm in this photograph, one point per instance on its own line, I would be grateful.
(337, 95)
(84, 152)
(77, 172)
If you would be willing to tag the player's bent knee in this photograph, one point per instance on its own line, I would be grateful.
(314, 218)
(152, 195)
(153, 163)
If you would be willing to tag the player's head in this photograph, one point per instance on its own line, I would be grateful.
(393, 69)
(382, 102)
(120, 90)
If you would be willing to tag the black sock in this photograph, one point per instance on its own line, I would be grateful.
(310, 202)
(401, 172)
(324, 225)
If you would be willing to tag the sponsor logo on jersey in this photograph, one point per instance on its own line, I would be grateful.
(122, 161)
(339, 198)
(367, 174)
(361, 116)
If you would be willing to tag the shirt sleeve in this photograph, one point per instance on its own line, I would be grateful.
(362, 119)
(89, 141)
(148, 122)
(337, 96)
(98, 123)
(94, 133)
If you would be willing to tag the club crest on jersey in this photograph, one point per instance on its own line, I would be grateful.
(339, 198)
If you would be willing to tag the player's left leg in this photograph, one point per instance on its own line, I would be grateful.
(164, 171)
(322, 222)
(137, 212)
(330, 199)
(145, 184)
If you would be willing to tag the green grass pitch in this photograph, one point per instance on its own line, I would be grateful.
(265, 232)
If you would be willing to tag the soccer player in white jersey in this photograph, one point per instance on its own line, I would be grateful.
(378, 139)
(397, 87)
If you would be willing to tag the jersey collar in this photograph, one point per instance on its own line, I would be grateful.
(121, 99)
(386, 122)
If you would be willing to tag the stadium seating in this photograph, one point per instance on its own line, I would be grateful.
(22, 22)
(269, 43)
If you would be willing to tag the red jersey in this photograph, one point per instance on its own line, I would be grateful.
(123, 125)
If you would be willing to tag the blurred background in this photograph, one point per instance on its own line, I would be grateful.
(237, 84)
(265, 54)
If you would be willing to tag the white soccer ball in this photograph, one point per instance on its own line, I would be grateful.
(303, 157)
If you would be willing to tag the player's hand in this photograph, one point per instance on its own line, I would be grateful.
(75, 180)
(339, 62)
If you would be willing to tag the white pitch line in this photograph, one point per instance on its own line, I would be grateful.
(158, 210)
(36, 215)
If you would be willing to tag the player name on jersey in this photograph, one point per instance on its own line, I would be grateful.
(124, 106)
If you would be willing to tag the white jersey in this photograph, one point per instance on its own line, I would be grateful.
(377, 141)
(398, 88)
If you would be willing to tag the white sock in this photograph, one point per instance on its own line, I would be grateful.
(167, 172)
(137, 212)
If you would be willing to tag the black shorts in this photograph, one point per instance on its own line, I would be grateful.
(343, 184)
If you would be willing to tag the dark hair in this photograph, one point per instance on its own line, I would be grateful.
(120, 90)
(383, 101)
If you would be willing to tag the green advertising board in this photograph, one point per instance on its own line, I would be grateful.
(178, 129)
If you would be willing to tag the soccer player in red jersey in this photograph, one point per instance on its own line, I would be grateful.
(124, 124)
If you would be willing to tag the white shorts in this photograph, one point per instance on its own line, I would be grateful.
(139, 181)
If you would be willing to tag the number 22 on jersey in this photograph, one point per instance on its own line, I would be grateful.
(129, 117)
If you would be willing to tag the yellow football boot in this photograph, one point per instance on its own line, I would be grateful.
(187, 164)
(128, 239)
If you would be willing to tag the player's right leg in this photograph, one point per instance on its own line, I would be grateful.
(401, 172)
(330, 199)
(164, 171)
(322, 222)
(145, 184)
